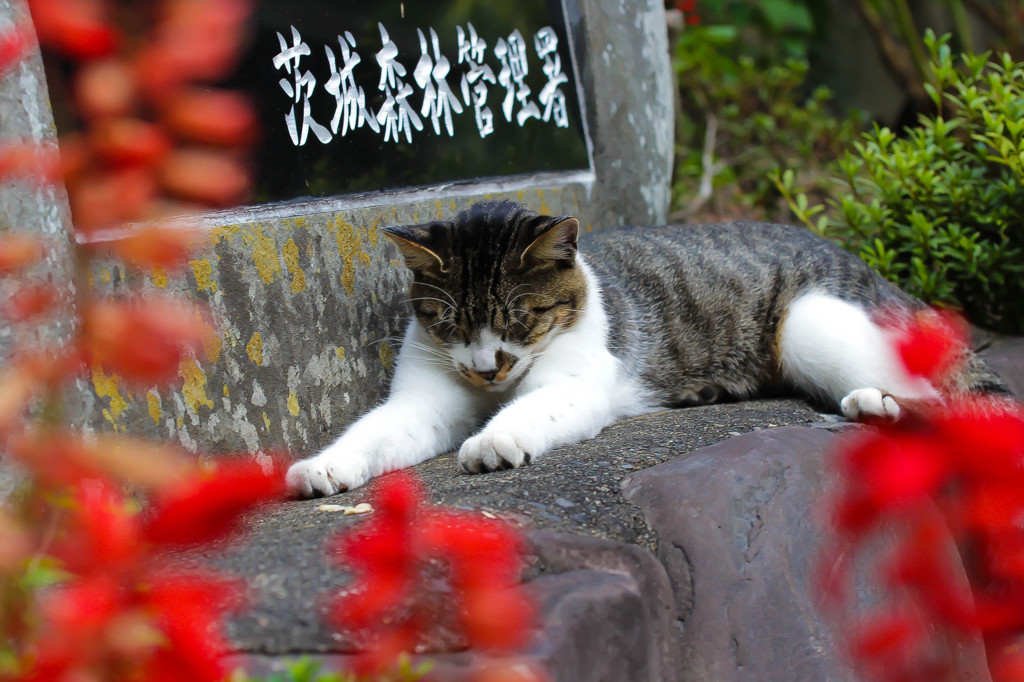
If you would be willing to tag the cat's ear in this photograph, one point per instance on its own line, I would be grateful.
(422, 246)
(555, 241)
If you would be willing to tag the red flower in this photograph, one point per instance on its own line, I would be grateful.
(994, 506)
(211, 117)
(888, 473)
(148, 247)
(106, 88)
(496, 618)
(389, 554)
(143, 342)
(952, 481)
(209, 506)
(32, 162)
(129, 142)
(194, 40)
(932, 344)
(188, 611)
(18, 251)
(14, 44)
(107, 198)
(210, 177)
(78, 28)
(31, 301)
(384, 553)
(482, 551)
(885, 636)
(166, 627)
(985, 438)
(103, 538)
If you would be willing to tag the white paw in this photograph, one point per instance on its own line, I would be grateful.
(321, 476)
(869, 402)
(493, 450)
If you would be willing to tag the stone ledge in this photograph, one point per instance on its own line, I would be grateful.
(701, 568)
(605, 609)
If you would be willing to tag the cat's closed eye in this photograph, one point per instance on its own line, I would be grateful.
(541, 309)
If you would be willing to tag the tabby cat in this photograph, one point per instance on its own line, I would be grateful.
(520, 344)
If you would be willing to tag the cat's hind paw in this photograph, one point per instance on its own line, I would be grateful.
(494, 450)
(320, 477)
(868, 403)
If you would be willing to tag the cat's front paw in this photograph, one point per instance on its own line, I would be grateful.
(869, 402)
(493, 450)
(321, 476)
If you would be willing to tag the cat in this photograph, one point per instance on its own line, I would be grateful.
(543, 336)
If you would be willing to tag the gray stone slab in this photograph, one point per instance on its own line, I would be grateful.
(740, 530)
(597, 624)
(735, 533)
(282, 554)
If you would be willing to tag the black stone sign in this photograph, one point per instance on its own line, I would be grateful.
(357, 96)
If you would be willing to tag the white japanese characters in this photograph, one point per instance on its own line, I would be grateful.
(406, 108)
(299, 88)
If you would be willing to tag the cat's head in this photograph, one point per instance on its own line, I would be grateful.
(493, 286)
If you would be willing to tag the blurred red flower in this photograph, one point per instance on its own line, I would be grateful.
(931, 344)
(130, 142)
(209, 505)
(167, 247)
(30, 162)
(30, 301)
(947, 478)
(211, 117)
(18, 251)
(14, 44)
(106, 88)
(188, 610)
(389, 553)
(210, 177)
(194, 40)
(142, 341)
(77, 28)
(125, 606)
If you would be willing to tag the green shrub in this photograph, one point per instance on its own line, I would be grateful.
(940, 211)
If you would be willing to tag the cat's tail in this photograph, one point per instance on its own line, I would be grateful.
(975, 377)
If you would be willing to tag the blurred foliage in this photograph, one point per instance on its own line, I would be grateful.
(307, 670)
(745, 114)
(939, 210)
(767, 30)
(898, 38)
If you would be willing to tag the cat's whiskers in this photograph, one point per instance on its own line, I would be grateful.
(509, 300)
(451, 299)
(439, 322)
(430, 350)
(446, 304)
(387, 339)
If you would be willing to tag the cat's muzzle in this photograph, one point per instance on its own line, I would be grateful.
(487, 375)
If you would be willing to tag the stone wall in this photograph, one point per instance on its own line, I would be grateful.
(306, 299)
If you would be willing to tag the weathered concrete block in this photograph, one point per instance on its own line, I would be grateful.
(307, 300)
(308, 311)
(626, 74)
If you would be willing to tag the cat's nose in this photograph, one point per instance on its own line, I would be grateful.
(488, 376)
